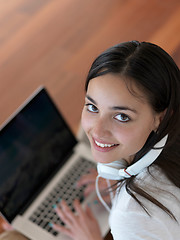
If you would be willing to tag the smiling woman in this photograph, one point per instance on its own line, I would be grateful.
(113, 116)
(131, 117)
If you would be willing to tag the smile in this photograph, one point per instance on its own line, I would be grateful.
(104, 145)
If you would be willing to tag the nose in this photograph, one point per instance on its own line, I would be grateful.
(102, 128)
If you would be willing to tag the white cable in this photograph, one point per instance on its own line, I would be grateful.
(99, 195)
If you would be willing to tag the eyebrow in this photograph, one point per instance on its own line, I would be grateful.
(90, 99)
(114, 107)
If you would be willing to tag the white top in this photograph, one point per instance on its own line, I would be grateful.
(128, 221)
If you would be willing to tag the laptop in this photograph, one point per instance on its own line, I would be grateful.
(40, 163)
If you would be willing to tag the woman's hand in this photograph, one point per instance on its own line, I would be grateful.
(4, 225)
(79, 226)
(89, 180)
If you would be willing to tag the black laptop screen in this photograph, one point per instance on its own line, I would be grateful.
(33, 145)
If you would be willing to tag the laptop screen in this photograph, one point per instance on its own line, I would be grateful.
(33, 146)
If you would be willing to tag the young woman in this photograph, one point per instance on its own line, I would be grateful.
(133, 102)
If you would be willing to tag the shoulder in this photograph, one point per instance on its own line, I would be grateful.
(156, 184)
(153, 182)
(128, 214)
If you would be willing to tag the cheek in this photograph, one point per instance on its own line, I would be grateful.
(132, 139)
(126, 137)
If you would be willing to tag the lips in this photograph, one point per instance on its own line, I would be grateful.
(104, 147)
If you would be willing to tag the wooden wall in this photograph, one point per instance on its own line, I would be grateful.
(53, 42)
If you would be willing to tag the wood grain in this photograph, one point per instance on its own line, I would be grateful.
(53, 42)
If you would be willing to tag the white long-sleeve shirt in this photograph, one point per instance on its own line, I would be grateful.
(128, 221)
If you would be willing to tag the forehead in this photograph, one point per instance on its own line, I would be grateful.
(114, 88)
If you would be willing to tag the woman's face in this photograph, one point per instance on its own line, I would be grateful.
(116, 122)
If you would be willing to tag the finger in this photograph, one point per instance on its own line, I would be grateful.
(89, 189)
(85, 180)
(61, 229)
(88, 178)
(6, 226)
(67, 211)
(90, 213)
(78, 208)
(65, 216)
(93, 171)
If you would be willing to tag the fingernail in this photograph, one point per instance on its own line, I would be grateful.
(54, 206)
(50, 224)
(95, 201)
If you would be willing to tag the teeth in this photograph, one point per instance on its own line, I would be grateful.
(104, 145)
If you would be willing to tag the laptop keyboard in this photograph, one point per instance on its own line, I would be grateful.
(66, 190)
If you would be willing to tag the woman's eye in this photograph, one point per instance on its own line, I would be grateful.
(122, 117)
(91, 108)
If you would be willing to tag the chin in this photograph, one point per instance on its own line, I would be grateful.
(102, 159)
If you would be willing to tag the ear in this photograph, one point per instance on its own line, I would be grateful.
(158, 119)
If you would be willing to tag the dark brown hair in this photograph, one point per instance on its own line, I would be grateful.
(155, 72)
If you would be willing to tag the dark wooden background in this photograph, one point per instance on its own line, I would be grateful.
(53, 42)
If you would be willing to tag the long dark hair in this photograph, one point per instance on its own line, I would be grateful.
(155, 72)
